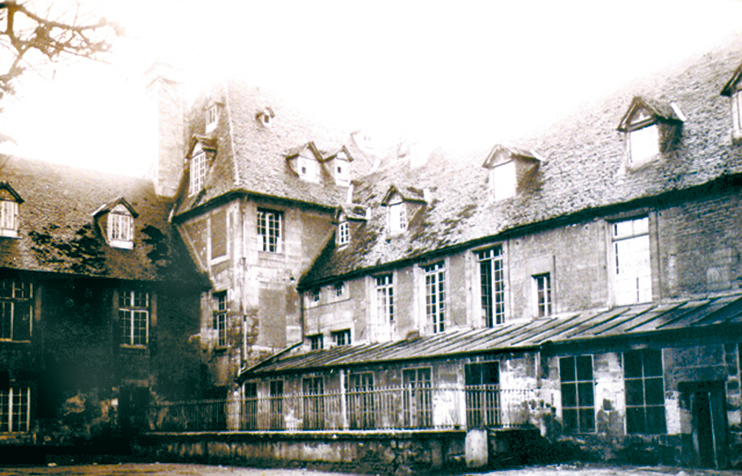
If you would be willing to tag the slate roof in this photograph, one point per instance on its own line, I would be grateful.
(58, 234)
(583, 170)
(251, 157)
(687, 316)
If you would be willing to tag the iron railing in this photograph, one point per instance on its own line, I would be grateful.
(485, 406)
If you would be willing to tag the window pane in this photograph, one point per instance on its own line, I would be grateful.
(585, 394)
(567, 369)
(584, 368)
(587, 420)
(655, 393)
(652, 363)
(569, 418)
(656, 420)
(632, 362)
(635, 420)
(569, 395)
(634, 392)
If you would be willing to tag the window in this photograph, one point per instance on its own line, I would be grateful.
(417, 403)
(8, 218)
(578, 400)
(308, 169)
(645, 393)
(220, 317)
(198, 172)
(542, 283)
(343, 237)
(385, 298)
(269, 231)
(250, 407)
(339, 289)
(212, 116)
(316, 295)
(737, 114)
(15, 410)
(492, 285)
(632, 271)
(482, 381)
(397, 218)
(314, 403)
(435, 297)
(316, 342)
(134, 317)
(644, 144)
(360, 397)
(16, 310)
(120, 228)
(276, 404)
(341, 337)
(504, 180)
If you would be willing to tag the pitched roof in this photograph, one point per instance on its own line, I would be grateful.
(251, 156)
(686, 317)
(584, 170)
(58, 231)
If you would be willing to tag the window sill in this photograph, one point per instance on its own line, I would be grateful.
(8, 234)
(134, 347)
(18, 342)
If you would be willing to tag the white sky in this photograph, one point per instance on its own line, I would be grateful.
(464, 74)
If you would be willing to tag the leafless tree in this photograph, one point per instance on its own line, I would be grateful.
(29, 37)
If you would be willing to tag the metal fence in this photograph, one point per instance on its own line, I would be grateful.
(372, 409)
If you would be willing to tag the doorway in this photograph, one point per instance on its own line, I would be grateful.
(706, 402)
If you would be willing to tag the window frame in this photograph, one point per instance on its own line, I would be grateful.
(343, 237)
(634, 247)
(121, 229)
(13, 419)
(643, 144)
(482, 394)
(313, 402)
(341, 337)
(9, 218)
(544, 294)
(275, 395)
(435, 296)
(221, 315)
(417, 397)
(270, 231)
(504, 180)
(211, 117)
(492, 285)
(645, 381)
(737, 113)
(137, 312)
(197, 173)
(584, 414)
(359, 395)
(316, 341)
(385, 297)
(16, 301)
(397, 217)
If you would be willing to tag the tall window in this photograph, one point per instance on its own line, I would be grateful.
(645, 392)
(269, 231)
(120, 229)
(385, 298)
(212, 115)
(435, 296)
(134, 317)
(314, 403)
(492, 285)
(631, 267)
(397, 217)
(221, 308)
(343, 237)
(417, 402)
(8, 218)
(16, 309)
(504, 180)
(276, 404)
(542, 283)
(15, 410)
(482, 380)
(197, 172)
(578, 400)
(644, 144)
(341, 337)
(360, 396)
(250, 407)
(737, 114)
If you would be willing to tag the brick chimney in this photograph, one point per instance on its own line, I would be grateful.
(166, 93)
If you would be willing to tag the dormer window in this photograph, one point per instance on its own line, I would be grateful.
(646, 124)
(265, 117)
(733, 89)
(343, 235)
(212, 117)
(308, 169)
(120, 228)
(397, 218)
(9, 208)
(339, 165)
(116, 222)
(511, 170)
(198, 172)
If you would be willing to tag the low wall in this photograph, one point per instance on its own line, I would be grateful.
(392, 453)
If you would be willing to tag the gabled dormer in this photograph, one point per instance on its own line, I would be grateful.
(346, 219)
(733, 90)
(115, 220)
(10, 203)
(338, 165)
(511, 170)
(650, 128)
(212, 111)
(401, 204)
(304, 161)
(200, 155)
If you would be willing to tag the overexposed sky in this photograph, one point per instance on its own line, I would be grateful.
(464, 74)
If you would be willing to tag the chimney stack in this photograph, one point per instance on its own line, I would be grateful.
(166, 92)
